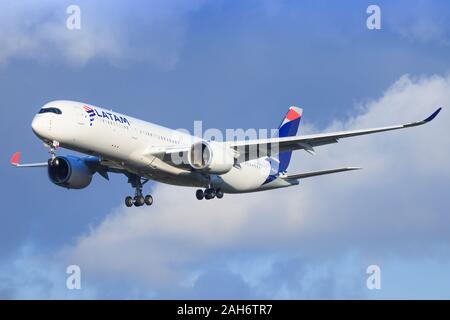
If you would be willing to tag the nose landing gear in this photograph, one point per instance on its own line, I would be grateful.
(138, 200)
(52, 147)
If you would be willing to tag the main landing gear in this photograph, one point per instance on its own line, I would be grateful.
(209, 194)
(138, 200)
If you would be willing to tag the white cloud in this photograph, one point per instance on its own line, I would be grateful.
(425, 31)
(394, 205)
(149, 31)
(419, 21)
(28, 275)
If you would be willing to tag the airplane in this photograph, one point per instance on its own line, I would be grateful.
(143, 151)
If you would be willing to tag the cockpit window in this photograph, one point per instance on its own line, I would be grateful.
(51, 110)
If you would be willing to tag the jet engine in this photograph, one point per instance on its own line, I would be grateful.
(211, 157)
(69, 172)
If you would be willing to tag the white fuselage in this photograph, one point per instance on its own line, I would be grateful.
(129, 144)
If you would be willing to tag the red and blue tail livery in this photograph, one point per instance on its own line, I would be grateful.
(288, 128)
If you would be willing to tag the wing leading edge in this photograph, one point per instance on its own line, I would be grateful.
(308, 142)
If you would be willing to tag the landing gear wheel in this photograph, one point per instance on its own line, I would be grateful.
(210, 194)
(53, 162)
(139, 201)
(199, 194)
(148, 200)
(129, 201)
(219, 194)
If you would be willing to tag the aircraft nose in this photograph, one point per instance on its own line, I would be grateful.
(38, 126)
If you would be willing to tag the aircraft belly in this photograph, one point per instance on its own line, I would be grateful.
(155, 169)
(244, 179)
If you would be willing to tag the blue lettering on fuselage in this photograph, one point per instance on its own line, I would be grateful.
(111, 116)
(124, 120)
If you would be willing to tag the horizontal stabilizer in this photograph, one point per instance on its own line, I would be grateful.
(318, 173)
(15, 162)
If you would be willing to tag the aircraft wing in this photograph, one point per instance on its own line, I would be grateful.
(251, 149)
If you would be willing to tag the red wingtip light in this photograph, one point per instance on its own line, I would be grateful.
(15, 158)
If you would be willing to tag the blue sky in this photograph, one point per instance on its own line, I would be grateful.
(233, 64)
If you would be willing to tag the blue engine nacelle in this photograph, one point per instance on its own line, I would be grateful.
(69, 172)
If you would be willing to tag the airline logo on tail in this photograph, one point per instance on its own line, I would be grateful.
(293, 113)
(290, 123)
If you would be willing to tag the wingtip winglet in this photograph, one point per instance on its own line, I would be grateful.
(433, 115)
(15, 159)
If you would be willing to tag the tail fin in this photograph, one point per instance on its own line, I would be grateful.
(288, 128)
